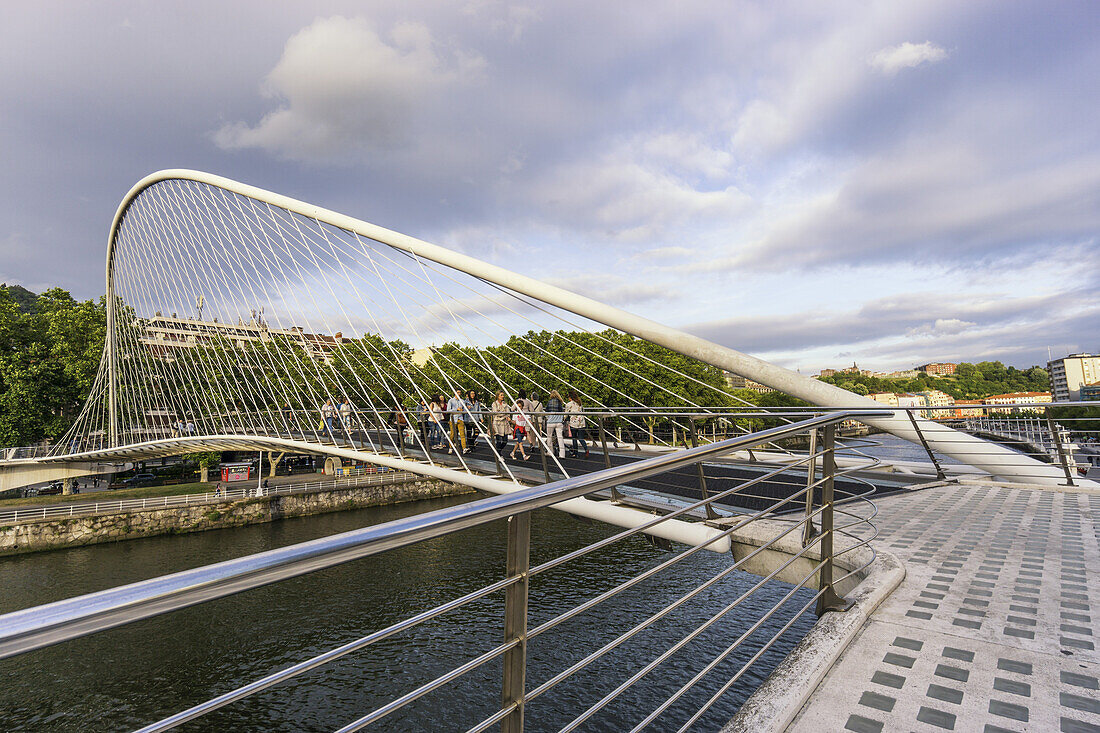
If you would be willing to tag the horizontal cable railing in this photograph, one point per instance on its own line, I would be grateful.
(813, 552)
(350, 477)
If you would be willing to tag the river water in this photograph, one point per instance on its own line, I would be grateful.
(136, 674)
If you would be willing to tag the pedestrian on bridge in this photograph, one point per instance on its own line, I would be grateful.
(555, 423)
(501, 424)
(519, 420)
(535, 420)
(456, 411)
(436, 409)
(345, 419)
(328, 417)
(577, 424)
(471, 416)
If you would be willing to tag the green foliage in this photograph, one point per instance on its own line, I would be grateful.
(206, 460)
(49, 356)
(1083, 422)
(24, 299)
(970, 381)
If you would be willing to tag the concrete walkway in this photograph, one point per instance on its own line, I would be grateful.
(995, 627)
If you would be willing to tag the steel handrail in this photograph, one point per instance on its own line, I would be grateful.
(110, 506)
(34, 628)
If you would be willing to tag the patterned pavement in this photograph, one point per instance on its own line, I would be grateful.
(994, 627)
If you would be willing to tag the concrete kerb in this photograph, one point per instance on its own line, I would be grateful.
(777, 702)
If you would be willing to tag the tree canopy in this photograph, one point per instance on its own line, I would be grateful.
(970, 381)
(49, 354)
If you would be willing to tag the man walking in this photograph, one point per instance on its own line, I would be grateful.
(456, 409)
(555, 423)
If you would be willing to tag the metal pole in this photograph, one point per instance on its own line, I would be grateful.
(809, 531)
(542, 453)
(828, 600)
(1061, 450)
(940, 475)
(606, 456)
(702, 476)
(515, 620)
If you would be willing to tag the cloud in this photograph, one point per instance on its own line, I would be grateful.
(941, 327)
(633, 193)
(613, 289)
(906, 56)
(346, 91)
(663, 254)
(894, 331)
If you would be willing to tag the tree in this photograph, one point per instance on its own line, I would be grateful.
(204, 461)
(49, 356)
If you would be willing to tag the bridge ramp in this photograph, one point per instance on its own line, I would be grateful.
(995, 626)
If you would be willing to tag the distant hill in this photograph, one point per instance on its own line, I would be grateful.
(23, 298)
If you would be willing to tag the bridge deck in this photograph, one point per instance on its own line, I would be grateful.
(994, 627)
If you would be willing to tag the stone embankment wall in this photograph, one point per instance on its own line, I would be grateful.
(48, 534)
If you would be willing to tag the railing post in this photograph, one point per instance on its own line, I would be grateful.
(711, 514)
(828, 600)
(545, 466)
(809, 531)
(940, 475)
(515, 620)
(1061, 450)
(606, 455)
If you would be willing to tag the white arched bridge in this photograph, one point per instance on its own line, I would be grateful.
(241, 319)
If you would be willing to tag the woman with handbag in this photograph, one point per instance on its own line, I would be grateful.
(576, 424)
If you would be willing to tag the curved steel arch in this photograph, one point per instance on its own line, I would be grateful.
(974, 451)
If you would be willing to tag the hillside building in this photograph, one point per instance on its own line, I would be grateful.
(1069, 374)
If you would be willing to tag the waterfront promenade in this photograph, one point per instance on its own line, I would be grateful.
(994, 627)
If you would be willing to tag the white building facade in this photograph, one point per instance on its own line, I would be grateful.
(1067, 375)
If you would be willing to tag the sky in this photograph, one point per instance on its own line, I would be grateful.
(890, 183)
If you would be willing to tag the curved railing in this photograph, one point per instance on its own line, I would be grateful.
(818, 547)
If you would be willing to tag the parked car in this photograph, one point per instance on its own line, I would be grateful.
(141, 479)
(52, 489)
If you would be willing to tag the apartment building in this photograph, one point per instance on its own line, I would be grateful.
(944, 369)
(1070, 373)
(1012, 400)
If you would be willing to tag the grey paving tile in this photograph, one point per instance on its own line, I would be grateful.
(938, 718)
(1016, 688)
(952, 673)
(1010, 665)
(877, 701)
(1069, 725)
(1008, 710)
(890, 680)
(1079, 702)
(859, 724)
(905, 643)
(899, 659)
(1079, 680)
(1022, 633)
(947, 694)
(962, 654)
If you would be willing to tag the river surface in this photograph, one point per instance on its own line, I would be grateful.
(126, 677)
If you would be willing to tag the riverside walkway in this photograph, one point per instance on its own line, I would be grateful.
(994, 627)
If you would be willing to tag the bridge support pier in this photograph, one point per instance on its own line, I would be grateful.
(332, 465)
